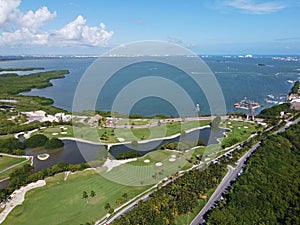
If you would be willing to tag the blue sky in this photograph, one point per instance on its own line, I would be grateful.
(204, 26)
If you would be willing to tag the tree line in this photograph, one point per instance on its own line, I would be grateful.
(268, 191)
(16, 147)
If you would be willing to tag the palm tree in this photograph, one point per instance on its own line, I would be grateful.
(107, 206)
(93, 194)
(125, 195)
(85, 195)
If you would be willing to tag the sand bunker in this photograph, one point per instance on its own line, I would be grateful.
(158, 164)
(63, 132)
(54, 134)
(172, 159)
(17, 198)
(146, 161)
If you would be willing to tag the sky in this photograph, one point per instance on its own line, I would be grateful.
(91, 27)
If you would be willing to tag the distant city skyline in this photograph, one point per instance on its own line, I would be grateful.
(75, 27)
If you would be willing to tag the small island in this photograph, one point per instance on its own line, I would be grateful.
(43, 157)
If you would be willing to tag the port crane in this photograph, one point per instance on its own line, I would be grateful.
(248, 105)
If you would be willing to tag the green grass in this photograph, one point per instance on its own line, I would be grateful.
(50, 130)
(154, 157)
(240, 131)
(5, 162)
(138, 172)
(164, 130)
(127, 134)
(60, 202)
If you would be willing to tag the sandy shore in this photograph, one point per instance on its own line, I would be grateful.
(17, 198)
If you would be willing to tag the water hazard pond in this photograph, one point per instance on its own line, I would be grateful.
(79, 152)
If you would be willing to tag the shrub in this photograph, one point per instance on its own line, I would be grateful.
(37, 140)
(54, 143)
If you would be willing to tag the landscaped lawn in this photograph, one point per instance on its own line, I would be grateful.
(5, 162)
(60, 202)
(127, 134)
(240, 131)
(163, 130)
(162, 164)
(57, 131)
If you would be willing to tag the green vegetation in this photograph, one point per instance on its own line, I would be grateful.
(37, 140)
(180, 146)
(295, 88)
(272, 115)
(179, 201)
(179, 197)
(15, 147)
(128, 155)
(11, 84)
(64, 200)
(11, 120)
(54, 143)
(8, 164)
(239, 131)
(24, 175)
(109, 135)
(216, 122)
(268, 190)
(19, 69)
(153, 157)
(11, 146)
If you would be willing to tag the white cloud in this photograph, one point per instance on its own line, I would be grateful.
(77, 32)
(18, 28)
(24, 36)
(254, 6)
(35, 20)
(8, 9)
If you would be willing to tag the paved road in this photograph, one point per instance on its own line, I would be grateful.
(231, 176)
(289, 123)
